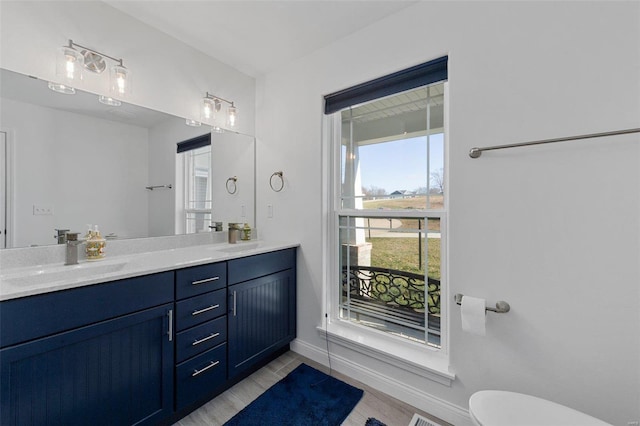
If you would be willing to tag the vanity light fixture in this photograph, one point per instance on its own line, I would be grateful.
(211, 106)
(71, 62)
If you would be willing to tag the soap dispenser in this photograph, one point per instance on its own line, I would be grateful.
(246, 232)
(95, 244)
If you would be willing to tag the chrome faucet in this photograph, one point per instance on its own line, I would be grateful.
(61, 235)
(71, 254)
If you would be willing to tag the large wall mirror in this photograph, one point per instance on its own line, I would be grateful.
(69, 161)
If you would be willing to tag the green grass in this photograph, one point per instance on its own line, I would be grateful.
(402, 254)
(415, 203)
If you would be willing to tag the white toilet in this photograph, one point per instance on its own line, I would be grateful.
(501, 408)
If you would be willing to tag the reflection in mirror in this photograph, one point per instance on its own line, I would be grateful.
(73, 161)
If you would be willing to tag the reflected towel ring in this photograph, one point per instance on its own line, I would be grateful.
(278, 174)
(233, 187)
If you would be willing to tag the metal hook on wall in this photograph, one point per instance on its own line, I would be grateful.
(279, 187)
(232, 185)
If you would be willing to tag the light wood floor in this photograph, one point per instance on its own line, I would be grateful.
(373, 404)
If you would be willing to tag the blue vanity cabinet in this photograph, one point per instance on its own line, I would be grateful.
(201, 325)
(111, 364)
(262, 308)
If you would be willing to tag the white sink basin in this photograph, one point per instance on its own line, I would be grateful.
(235, 248)
(61, 273)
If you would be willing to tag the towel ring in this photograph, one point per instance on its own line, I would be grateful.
(233, 187)
(278, 174)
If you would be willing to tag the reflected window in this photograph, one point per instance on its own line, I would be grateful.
(196, 208)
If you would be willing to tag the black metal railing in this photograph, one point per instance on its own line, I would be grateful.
(399, 291)
(400, 288)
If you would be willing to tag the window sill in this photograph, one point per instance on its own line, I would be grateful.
(416, 358)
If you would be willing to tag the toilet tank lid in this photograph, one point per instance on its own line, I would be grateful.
(503, 408)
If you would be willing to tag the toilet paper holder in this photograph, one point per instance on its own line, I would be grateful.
(501, 306)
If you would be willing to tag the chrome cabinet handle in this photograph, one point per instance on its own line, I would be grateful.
(211, 336)
(206, 280)
(200, 311)
(234, 303)
(170, 330)
(213, 364)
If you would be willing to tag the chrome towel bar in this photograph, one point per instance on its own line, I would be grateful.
(151, 188)
(502, 307)
(477, 152)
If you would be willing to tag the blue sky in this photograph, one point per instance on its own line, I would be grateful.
(400, 164)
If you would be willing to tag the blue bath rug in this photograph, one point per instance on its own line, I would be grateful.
(306, 397)
(374, 422)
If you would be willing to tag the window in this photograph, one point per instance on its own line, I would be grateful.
(389, 204)
(196, 212)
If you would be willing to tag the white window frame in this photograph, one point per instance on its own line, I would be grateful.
(418, 358)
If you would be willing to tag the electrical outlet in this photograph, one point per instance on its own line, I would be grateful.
(269, 211)
(243, 211)
(41, 210)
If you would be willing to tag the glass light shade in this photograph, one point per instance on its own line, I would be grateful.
(69, 64)
(232, 117)
(120, 80)
(192, 123)
(61, 88)
(109, 101)
(208, 109)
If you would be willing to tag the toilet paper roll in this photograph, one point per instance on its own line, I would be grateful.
(474, 316)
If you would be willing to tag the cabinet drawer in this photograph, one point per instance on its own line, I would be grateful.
(200, 338)
(248, 268)
(199, 309)
(200, 279)
(201, 376)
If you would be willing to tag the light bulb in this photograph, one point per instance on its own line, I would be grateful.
(233, 116)
(120, 80)
(71, 69)
(69, 64)
(208, 109)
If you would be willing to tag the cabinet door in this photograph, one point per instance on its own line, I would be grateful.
(262, 319)
(114, 372)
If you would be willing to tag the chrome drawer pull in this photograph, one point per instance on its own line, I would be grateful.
(213, 364)
(234, 303)
(211, 336)
(207, 280)
(199, 311)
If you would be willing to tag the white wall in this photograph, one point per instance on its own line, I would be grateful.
(233, 155)
(168, 75)
(553, 230)
(52, 170)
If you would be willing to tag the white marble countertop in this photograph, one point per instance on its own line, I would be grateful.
(33, 280)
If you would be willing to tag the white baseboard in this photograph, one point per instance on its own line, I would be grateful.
(440, 408)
